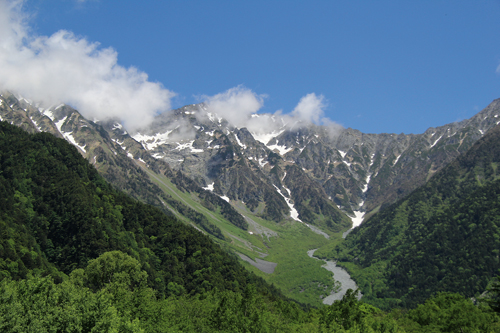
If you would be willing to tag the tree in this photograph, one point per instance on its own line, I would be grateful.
(345, 313)
(115, 267)
(37, 304)
(494, 295)
(449, 312)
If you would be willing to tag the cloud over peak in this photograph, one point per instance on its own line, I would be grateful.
(310, 108)
(238, 104)
(69, 69)
(235, 104)
(66, 68)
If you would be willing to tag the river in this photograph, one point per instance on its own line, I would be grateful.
(340, 275)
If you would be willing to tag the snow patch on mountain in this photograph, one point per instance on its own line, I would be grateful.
(281, 149)
(368, 178)
(432, 145)
(157, 155)
(188, 145)
(47, 113)
(68, 135)
(60, 123)
(34, 123)
(118, 143)
(210, 187)
(261, 162)
(357, 219)
(396, 160)
(213, 117)
(150, 142)
(360, 215)
(294, 214)
(266, 137)
(365, 187)
(239, 142)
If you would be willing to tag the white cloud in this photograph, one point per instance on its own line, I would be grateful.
(498, 69)
(310, 108)
(69, 69)
(333, 129)
(65, 68)
(238, 104)
(235, 104)
(267, 123)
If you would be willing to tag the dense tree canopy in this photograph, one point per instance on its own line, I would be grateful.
(58, 213)
(445, 236)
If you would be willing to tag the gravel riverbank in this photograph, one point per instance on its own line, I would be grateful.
(265, 266)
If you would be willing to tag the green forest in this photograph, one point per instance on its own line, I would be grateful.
(76, 255)
(445, 236)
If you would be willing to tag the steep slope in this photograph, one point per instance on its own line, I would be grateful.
(358, 172)
(230, 181)
(57, 213)
(230, 161)
(118, 158)
(445, 236)
(125, 162)
(128, 165)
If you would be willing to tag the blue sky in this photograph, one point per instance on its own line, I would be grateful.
(381, 66)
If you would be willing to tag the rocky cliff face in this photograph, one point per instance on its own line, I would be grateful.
(120, 159)
(355, 171)
(279, 168)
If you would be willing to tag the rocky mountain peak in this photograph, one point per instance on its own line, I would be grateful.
(273, 165)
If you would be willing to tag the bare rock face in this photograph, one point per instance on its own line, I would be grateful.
(273, 166)
(356, 171)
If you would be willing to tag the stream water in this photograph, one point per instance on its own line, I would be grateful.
(339, 274)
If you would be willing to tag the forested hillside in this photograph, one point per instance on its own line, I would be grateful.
(58, 213)
(78, 256)
(445, 236)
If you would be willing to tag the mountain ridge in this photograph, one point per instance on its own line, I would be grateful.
(356, 172)
(442, 237)
(247, 188)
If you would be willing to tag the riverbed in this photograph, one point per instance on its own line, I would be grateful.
(340, 275)
(263, 265)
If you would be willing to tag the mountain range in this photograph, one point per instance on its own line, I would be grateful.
(444, 236)
(341, 169)
(230, 179)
